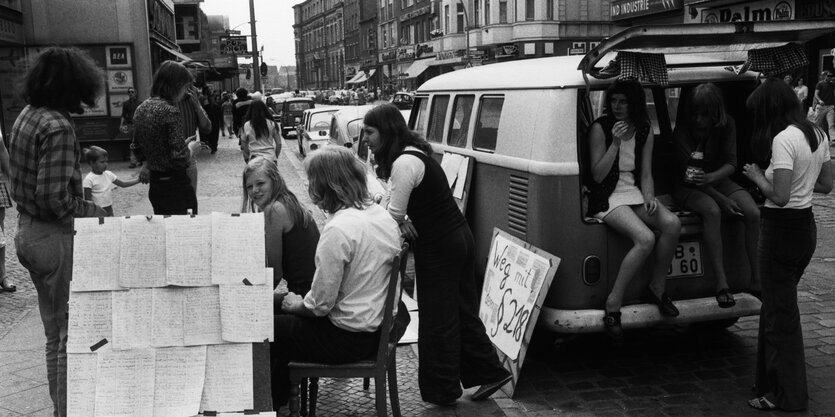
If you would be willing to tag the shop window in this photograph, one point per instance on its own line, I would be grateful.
(462, 110)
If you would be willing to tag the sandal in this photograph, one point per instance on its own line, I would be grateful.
(762, 404)
(664, 303)
(5, 286)
(611, 322)
(725, 299)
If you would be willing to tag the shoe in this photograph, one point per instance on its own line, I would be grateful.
(762, 404)
(665, 303)
(725, 299)
(5, 286)
(611, 322)
(485, 391)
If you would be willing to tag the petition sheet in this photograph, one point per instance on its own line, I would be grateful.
(242, 312)
(81, 384)
(125, 383)
(228, 384)
(237, 250)
(178, 380)
(201, 316)
(95, 265)
(142, 252)
(167, 317)
(132, 318)
(90, 322)
(188, 250)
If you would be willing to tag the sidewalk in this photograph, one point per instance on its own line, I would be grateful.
(23, 387)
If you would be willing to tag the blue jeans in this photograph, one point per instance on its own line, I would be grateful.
(44, 248)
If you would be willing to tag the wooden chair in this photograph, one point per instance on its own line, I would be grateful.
(384, 364)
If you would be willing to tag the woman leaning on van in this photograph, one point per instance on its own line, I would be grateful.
(710, 132)
(622, 195)
(798, 155)
(453, 345)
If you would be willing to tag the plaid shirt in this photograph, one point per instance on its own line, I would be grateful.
(45, 168)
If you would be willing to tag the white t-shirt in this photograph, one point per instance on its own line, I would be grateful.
(790, 150)
(101, 184)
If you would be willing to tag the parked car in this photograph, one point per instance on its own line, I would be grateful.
(402, 100)
(290, 111)
(346, 125)
(314, 130)
(525, 124)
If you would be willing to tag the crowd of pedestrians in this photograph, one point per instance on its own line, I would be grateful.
(331, 283)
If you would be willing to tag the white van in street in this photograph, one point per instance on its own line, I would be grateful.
(525, 124)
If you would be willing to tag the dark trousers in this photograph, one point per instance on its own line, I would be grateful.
(787, 243)
(171, 192)
(313, 340)
(452, 343)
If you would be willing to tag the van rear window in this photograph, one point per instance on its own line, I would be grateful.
(461, 113)
(487, 124)
(436, 118)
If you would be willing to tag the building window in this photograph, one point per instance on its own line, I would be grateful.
(502, 11)
(487, 12)
(529, 10)
(459, 21)
(476, 13)
(446, 18)
(549, 14)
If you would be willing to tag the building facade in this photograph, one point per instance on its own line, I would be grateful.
(320, 44)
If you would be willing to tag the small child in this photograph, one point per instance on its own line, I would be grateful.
(97, 183)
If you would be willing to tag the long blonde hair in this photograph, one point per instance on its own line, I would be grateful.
(280, 191)
(337, 179)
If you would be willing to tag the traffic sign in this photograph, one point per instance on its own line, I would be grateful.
(233, 45)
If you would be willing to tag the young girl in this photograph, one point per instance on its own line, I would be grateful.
(261, 135)
(97, 183)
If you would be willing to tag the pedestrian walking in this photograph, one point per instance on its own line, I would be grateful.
(453, 345)
(227, 108)
(160, 135)
(5, 202)
(261, 134)
(241, 108)
(126, 126)
(798, 165)
(46, 185)
(213, 111)
(98, 183)
(823, 112)
(622, 194)
(338, 320)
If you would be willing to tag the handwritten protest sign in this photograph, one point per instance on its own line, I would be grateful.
(516, 281)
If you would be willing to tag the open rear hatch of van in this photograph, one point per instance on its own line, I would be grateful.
(718, 42)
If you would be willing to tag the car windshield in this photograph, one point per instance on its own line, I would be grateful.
(320, 121)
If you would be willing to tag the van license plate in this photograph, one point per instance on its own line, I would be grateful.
(687, 261)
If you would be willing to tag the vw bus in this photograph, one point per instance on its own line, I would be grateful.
(525, 125)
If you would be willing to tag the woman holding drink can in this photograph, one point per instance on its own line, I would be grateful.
(706, 142)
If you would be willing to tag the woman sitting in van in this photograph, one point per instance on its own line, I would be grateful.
(709, 134)
(621, 141)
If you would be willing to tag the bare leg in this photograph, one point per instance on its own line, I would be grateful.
(624, 220)
(670, 227)
(752, 233)
(711, 214)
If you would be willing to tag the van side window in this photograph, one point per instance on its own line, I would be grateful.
(420, 120)
(487, 124)
(436, 118)
(462, 110)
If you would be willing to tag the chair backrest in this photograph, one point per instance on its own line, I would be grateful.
(392, 299)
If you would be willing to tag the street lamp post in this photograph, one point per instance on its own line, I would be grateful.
(466, 32)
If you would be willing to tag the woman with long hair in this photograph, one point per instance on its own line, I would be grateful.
(261, 134)
(709, 130)
(622, 194)
(338, 320)
(798, 155)
(453, 345)
(159, 133)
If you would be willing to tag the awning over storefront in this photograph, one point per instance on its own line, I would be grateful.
(418, 67)
(362, 77)
(357, 76)
(180, 56)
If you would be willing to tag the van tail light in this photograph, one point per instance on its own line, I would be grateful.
(314, 147)
(591, 270)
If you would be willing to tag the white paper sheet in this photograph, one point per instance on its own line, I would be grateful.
(228, 384)
(243, 310)
(411, 304)
(96, 254)
(125, 383)
(268, 312)
(90, 321)
(188, 250)
(81, 384)
(178, 381)
(411, 333)
(167, 317)
(132, 318)
(201, 317)
(238, 248)
(461, 180)
(450, 163)
(142, 252)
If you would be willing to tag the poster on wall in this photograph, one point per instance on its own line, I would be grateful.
(119, 80)
(118, 56)
(517, 279)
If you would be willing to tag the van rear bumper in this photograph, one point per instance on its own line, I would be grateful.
(646, 315)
